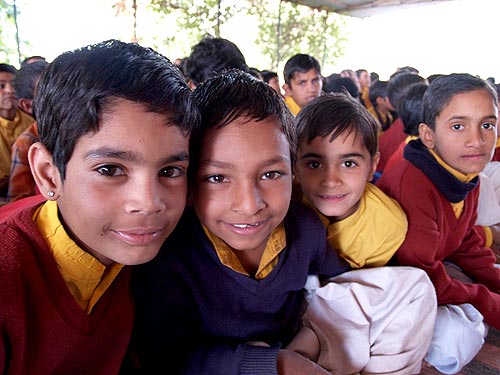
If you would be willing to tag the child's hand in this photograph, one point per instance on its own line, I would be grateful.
(292, 363)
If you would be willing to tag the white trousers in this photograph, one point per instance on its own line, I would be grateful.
(488, 210)
(459, 334)
(369, 321)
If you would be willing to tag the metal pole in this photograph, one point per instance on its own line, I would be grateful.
(17, 34)
(278, 36)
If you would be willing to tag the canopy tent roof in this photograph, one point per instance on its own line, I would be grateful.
(363, 8)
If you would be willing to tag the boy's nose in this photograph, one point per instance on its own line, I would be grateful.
(146, 198)
(247, 199)
(331, 178)
(475, 138)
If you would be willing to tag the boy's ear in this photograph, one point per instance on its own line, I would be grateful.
(426, 135)
(375, 161)
(26, 105)
(286, 88)
(44, 171)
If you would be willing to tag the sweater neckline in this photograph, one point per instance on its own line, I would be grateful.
(452, 188)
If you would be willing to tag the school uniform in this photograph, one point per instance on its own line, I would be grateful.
(55, 319)
(369, 320)
(441, 206)
(199, 314)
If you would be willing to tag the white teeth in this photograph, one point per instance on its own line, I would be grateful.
(245, 225)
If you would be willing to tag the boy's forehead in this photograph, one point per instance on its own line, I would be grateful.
(6, 77)
(303, 75)
(245, 129)
(470, 104)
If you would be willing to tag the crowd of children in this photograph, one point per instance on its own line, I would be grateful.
(266, 236)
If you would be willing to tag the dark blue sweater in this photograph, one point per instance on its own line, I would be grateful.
(195, 315)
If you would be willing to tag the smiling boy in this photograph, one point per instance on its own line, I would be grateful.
(114, 122)
(436, 185)
(240, 259)
(366, 320)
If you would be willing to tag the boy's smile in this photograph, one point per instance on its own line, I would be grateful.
(465, 132)
(243, 185)
(333, 175)
(125, 185)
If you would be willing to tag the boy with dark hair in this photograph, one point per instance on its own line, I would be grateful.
(114, 121)
(381, 107)
(390, 139)
(241, 255)
(303, 81)
(410, 111)
(211, 56)
(13, 122)
(272, 79)
(366, 320)
(436, 185)
(365, 81)
(25, 83)
(21, 182)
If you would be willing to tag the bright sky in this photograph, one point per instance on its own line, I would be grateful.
(454, 36)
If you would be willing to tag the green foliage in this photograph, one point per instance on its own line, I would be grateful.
(284, 28)
(195, 18)
(299, 29)
(8, 46)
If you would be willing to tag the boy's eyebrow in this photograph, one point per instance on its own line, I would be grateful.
(455, 118)
(129, 156)
(342, 156)
(265, 163)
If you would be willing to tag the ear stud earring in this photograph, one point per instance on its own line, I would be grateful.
(50, 193)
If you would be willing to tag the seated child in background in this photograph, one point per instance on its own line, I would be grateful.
(114, 121)
(21, 182)
(369, 320)
(381, 107)
(225, 294)
(410, 111)
(436, 184)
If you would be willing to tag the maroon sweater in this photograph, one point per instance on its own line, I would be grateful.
(425, 189)
(42, 328)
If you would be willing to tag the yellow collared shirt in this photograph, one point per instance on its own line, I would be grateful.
(86, 277)
(275, 245)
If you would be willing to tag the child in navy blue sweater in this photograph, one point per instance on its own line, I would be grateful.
(224, 295)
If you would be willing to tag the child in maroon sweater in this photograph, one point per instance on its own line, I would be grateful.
(436, 184)
(114, 122)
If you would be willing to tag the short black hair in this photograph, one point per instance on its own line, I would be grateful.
(299, 63)
(410, 107)
(79, 86)
(28, 59)
(335, 114)
(211, 56)
(378, 89)
(267, 75)
(7, 68)
(341, 84)
(398, 82)
(26, 79)
(442, 90)
(234, 94)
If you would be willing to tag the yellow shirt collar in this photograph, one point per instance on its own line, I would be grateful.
(465, 178)
(274, 246)
(292, 105)
(86, 277)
